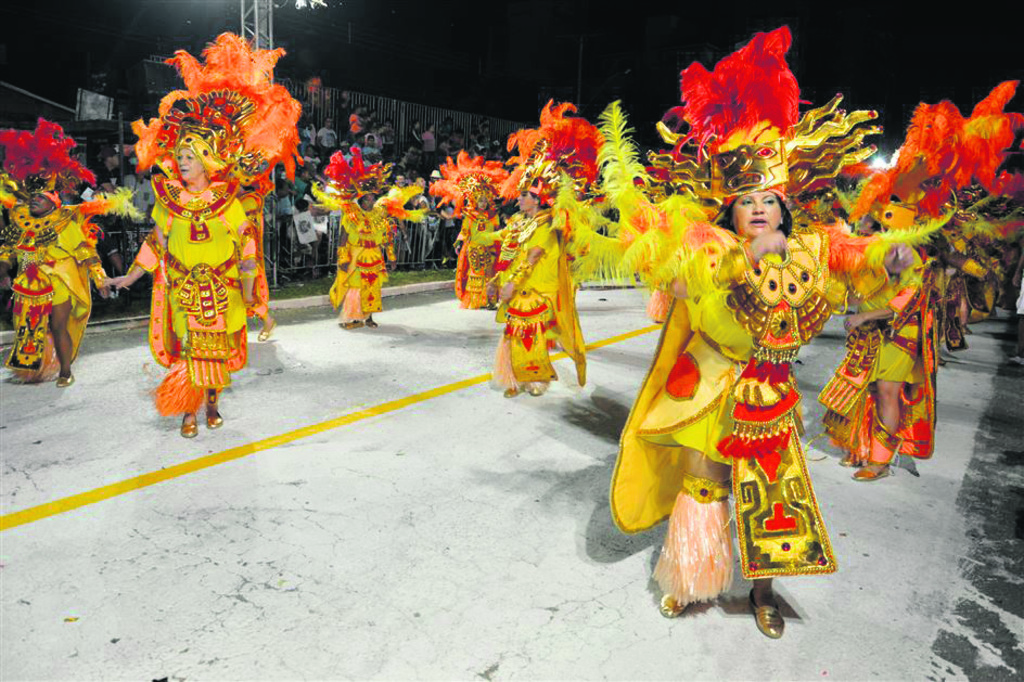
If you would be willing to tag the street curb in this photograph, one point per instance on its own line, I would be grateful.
(102, 326)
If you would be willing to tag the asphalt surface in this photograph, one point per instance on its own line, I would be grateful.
(383, 513)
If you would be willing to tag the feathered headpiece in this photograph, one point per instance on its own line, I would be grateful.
(467, 179)
(943, 155)
(355, 179)
(39, 161)
(232, 115)
(561, 144)
(745, 132)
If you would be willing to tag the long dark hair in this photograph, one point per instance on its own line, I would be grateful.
(725, 218)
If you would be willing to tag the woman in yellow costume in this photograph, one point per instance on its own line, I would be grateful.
(948, 187)
(718, 410)
(534, 286)
(226, 131)
(366, 221)
(472, 186)
(54, 249)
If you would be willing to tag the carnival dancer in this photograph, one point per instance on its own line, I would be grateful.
(472, 186)
(533, 282)
(53, 246)
(226, 131)
(946, 189)
(367, 221)
(718, 410)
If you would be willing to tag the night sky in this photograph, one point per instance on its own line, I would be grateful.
(506, 59)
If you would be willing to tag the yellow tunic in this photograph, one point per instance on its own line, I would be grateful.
(55, 257)
(198, 313)
(361, 264)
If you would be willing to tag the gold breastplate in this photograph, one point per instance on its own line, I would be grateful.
(28, 235)
(782, 304)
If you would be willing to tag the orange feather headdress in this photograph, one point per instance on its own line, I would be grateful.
(944, 153)
(237, 121)
(561, 144)
(745, 131)
(467, 179)
(355, 179)
(39, 161)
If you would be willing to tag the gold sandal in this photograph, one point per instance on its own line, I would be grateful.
(189, 430)
(64, 382)
(768, 619)
(869, 473)
(669, 607)
(216, 421)
(511, 392)
(267, 330)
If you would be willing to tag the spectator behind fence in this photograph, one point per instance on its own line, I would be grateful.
(416, 133)
(356, 123)
(429, 148)
(387, 133)
(108, 175)
(326, 137)
(307, 136)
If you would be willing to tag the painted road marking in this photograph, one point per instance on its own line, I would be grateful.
(66, 504)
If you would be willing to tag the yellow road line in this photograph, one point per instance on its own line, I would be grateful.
(65, 504)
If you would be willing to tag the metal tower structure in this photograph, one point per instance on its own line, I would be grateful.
(258, 23)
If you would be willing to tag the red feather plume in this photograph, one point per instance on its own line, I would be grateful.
(43, 152)
(748, 88)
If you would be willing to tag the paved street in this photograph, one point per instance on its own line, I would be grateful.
(372, 508)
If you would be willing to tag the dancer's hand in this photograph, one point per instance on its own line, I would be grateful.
(899, 258)
(104, 291)
(505, 295)
(854, 321)
(767, 242)
(115, 282)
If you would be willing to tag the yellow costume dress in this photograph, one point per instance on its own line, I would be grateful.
(368, 234)
(56, 257)
(238, 124)
(542, 309)
(720, 390)
(949, 194)
(903, 349)
(362, 270)
(197, 317)
(557, 159)
(464, 184)
(55, 254)
(476, 258)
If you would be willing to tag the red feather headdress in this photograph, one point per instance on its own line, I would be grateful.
(355, 179)
(561, 144)
(944, 152)
(466, 179)
(39, 161)
(232, 114)
(746, 133)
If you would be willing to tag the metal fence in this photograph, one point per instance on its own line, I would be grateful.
(320, 103)
(418, 246)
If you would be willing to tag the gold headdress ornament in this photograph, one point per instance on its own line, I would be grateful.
(568, 145)
(233, 117)
(468, 179)
(745, 135)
